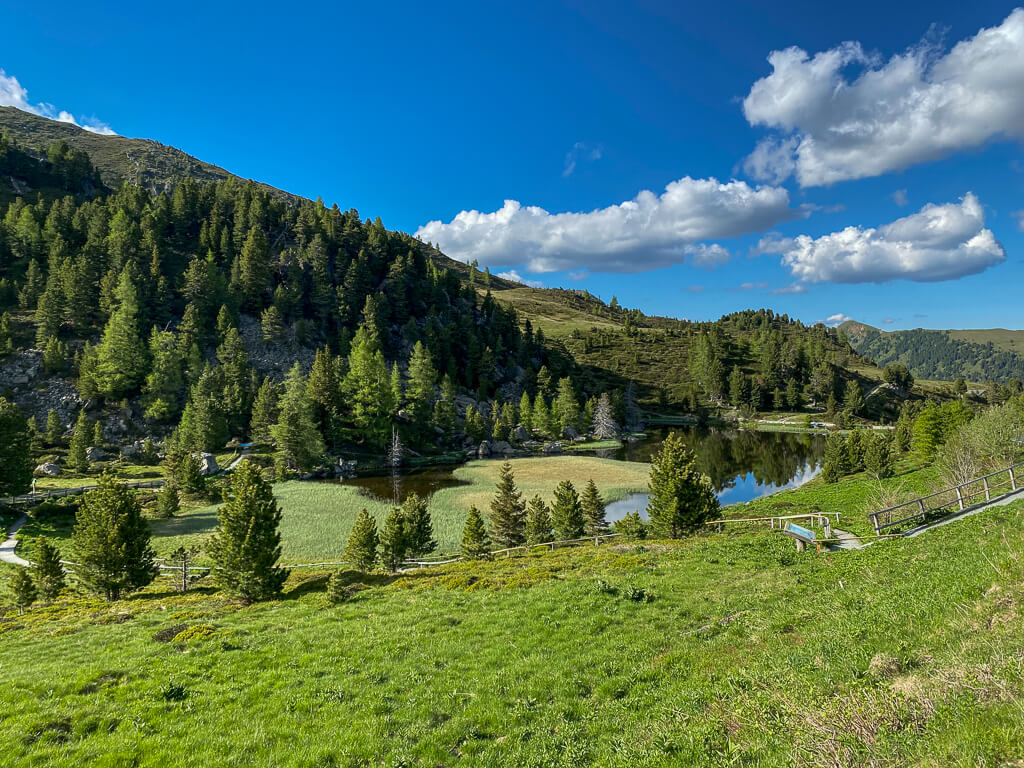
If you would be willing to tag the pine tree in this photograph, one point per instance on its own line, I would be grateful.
(110, 542)
(419, 530)
(167, 501)
(80, 439)
(361, 549)
(254, 268)
(187, 474)
(444, 409)
(247, 544)
(120, 356)
(475, 424)
(508, 512)
(681, 498)
(295, 433)
(393, 544)
(542, 418)
(593, 511)
(604, 426)
(271, 324)
(6, 335)
(475, 541)
(368, 388)
(566, 407)
(54, 428)
(526, 412)
(48, 572)
(567, 512)
(55, 355)
(15, 446)
(420, 392)
(98, 438)
(325, 392)
(21, 589)
(538, 522)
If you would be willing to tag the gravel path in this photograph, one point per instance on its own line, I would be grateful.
(7, 548)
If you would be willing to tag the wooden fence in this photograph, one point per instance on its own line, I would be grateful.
(31, 499)
(957, 498)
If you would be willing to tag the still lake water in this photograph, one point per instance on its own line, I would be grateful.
(743, 465)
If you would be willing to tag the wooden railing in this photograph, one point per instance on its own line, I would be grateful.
(959, 497)
(779, 521)
(31, 499)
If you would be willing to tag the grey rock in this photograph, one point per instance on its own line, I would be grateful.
(95, 453)
(207, 464)
(132, 450)
(552, 447)
(521, 434)
(484, 450)
(500, 446)
(570, 433)
(49, 469)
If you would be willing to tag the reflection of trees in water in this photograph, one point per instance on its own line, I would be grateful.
(774, 458)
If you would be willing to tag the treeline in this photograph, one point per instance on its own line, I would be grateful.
(937, 355)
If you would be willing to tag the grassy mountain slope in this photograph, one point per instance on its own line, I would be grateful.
(119, 159)
(718, 650)
(979, 355)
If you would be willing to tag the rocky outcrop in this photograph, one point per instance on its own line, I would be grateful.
(95, 453)
(49, 469)
(484, 450)
(207, 464)
(520, 434)
(552, 447)
(134, 450)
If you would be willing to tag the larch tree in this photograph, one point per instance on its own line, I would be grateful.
(121, 356)
(567, 512)
(368, 388)
(110, 544)
(604, 426)
(393, 540)
(681, 497)
(247, 543)
(420, 391)
(508, 512)
(295, 433)
(81, 436)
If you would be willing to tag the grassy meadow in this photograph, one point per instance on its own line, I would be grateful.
(317, 517)
(717, 650)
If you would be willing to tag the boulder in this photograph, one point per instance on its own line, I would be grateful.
(500, 446)
(207, 464)
(484, 450)
(132, 450)
(49, 469)
(570, 433)
(520, 434)
(552, 447)
(345, 468)
(95, 453)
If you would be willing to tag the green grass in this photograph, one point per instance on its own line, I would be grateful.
(905, 653)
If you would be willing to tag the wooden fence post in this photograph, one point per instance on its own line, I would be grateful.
(1013, 480)
(988, 495)
(960, 497)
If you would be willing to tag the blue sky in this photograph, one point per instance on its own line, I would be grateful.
(416, 113)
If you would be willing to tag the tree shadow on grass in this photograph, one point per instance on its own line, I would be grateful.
(310, 583)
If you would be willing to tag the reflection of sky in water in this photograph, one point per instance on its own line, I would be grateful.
(744, 488)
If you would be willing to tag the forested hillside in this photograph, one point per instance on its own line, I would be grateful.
(213, 309)
(937, 354)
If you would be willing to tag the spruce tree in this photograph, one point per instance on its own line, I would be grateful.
(21, 589)
(163, 385)
(420, 391)
(508, 512)
(538, 522)
(120, 356)
(55, 355)
(187, 473)
(247, 544)
(566, 407)
(80, 439)
(325, 392)
(393, 544)
(295, 433)
(110, 543)
(593, 511)
(419, 530)
(878, 456)
(361, 549)
(254, 268)
(368, 388)
(853, 399)
(475, 541)
(98, 438)
(6, 335)
(271, 325)
(681, 497)
(48, 572)
(567, 512)
(526, 412)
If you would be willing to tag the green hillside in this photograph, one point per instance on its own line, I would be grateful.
(975, 355)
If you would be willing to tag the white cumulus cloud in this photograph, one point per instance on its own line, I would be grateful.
(647, 232)
(916, 107)
(940, 242)
(13, 94)
(837, 319)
